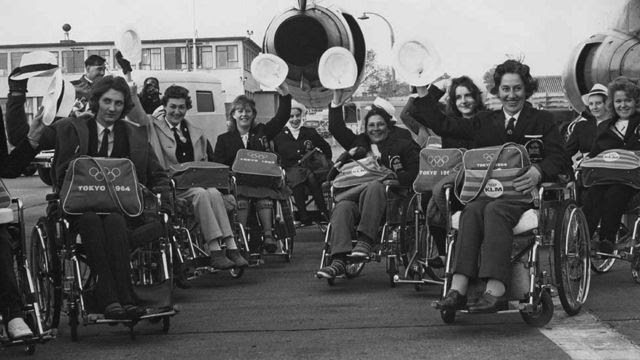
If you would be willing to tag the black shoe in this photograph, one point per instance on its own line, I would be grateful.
(269, 244)
(181, 281)
(134, 312)
(453, 301)
(488, 303)
(115, 311)
(606, 247)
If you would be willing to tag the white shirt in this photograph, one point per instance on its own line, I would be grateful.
(177, 127)
(245, 139)
(621, 127)
(376, 151)
(110, 137)
(507, 117)
(294, 132)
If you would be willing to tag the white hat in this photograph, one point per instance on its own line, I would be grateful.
(130, 45)
(386, 106)
(597, 89)
(416, 61)
(297, 105)
(59, 99)
(337, 68)
(36, 63)
(269, 70)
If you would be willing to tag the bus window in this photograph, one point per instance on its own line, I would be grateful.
(204, 101)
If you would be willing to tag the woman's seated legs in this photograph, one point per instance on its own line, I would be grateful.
(605, 205)
(300, 198)
(372, 204)
(343, 219)
(10, 299)
(315, 186)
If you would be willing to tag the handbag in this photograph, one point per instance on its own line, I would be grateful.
(488, 173)
(435, 165)
(614, 166)
(361, 171)
(101, 185)
(316, 161)
(257, 168)
(200, 174)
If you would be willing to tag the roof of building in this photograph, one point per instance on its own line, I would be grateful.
(67, 43)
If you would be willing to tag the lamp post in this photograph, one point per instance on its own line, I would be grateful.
(365, 16)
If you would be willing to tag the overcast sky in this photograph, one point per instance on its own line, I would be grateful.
(470, 35)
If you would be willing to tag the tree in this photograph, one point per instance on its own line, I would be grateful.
(378, 79)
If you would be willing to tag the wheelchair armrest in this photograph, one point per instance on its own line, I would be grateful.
(52, 197)
(552, 186)
(391, 182)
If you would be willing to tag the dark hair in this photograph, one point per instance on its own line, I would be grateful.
(623, 83)
(94, 60)
(466, 82)
(176, 92)
(241, 102)
(375, 110)
(514, 67)
(105, 84)
(151, 78)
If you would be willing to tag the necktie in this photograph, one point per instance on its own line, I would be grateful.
(177, 135)
(510, 127)
(104, 144)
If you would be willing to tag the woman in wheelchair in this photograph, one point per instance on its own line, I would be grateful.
(105, 237)
(485, 239)
(365, 209)
(605, 204)
(176, 140)
(582, 131)
(244, 133)
(11, 166)
(293, 145)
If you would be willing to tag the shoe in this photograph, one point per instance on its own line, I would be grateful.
(180, 280)
(606, 247)
(235, 256)
(362, 249)
(332, 271)
(18, 329)
(115, 311)
(453, 301)
(435, 262)
(269, 244)
(134, 312)
(220, 261)
(488, 303)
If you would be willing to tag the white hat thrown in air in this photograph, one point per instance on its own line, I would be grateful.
(36, 63)
(59, 99)
(386, 106)
(597, 89)
(130, 45)
(416, 61)
(297, 105)
(269, 70)
(337, 68)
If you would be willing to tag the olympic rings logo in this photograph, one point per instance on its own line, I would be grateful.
(437, 160)
(259, 156)
(488, 156)
(112, 174)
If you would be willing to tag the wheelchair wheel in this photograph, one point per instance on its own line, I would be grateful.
(543, 313)
(30, 349)
(448, 316)
(236, 273)
(571, 257)
(635, 268)
(73, 321)
(45, 268)
(604, 264)
(436, 274)
(166, 324)
(392, 269)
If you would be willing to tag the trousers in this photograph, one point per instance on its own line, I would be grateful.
(605, 204)
(366, 208)
(10, 302)
(485, 238)
(210, 212)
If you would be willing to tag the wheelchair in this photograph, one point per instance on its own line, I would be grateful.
(27, 285)
(398, 220)
(550, 257)
(191, 252)
(66, 283)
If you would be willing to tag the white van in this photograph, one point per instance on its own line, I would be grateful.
(208, 109)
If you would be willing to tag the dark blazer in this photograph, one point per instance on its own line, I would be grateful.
(582, 136)
(607, 139)
(70, 138)
(487, 128)
(83, 87)
(398, 154)
(291, 150)
(12, 164)
(230, 142)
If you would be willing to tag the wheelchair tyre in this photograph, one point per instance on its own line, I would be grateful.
(392, 269)
(166, 324)
(236, 273)
(571, 257)
(73, 322)
(415, 275)
(431, 252)
(448, 316)
(543, 313)
(30, 349)
(45, 269)
(635, 268)
(331, 282)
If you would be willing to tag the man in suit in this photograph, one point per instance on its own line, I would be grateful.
(486, 226)
(106, 134)
(94, 67)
